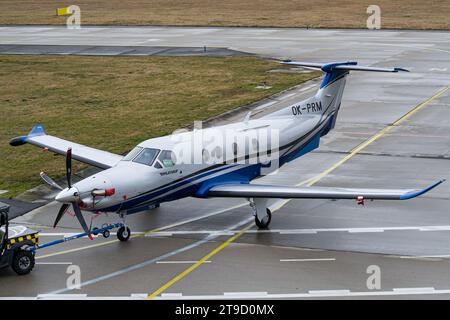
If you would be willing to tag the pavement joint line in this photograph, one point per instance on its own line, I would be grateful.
(142, 233)
(308, 182)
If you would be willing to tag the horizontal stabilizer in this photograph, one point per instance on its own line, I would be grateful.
(349, 66)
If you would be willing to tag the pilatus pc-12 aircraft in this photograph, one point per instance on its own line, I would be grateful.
(214, 162)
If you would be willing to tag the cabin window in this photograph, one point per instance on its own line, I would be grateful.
(132, 154)
(158, 165)
(167, 158)
(147, 156)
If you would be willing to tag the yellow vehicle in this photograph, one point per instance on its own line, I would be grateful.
(16, 244)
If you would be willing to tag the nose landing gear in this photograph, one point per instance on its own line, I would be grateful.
(124, 233)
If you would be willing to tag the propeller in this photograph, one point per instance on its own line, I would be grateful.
(68, 196)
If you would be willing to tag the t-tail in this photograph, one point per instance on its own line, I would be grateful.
(327, 100)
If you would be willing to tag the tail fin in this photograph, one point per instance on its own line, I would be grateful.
(328, 98)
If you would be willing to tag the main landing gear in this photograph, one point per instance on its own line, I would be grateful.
(262, 214)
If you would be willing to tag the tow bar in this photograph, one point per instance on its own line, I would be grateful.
(104, 231)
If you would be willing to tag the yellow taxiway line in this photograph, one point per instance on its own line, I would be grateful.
(309, 182)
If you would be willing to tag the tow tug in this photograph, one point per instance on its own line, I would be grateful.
(17, 244)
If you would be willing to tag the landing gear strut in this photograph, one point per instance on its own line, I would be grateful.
(262, 214)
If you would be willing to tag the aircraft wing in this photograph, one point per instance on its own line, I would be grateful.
(270, 191)
(95, 157)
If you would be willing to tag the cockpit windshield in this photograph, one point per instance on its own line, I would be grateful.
(132, 154)
(147, 156)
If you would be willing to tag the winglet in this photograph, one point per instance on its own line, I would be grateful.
(416, 193)
(38, 130)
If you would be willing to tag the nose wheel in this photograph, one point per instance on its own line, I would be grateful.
(123, 234)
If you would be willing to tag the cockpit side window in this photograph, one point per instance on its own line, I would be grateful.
(147, 156)
(167, 158)
(132, 154)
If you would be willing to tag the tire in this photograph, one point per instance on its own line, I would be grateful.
(106, 234)
(23, 262)
(264, 223)
(123, 234)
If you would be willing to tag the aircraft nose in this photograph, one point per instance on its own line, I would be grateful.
(68, 195)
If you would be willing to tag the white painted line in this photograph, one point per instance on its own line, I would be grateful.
(181, 262)
(315, 294)
(265, 105)
(435, 228)
(298, 232)
(364, 230)
(289, 95)
(249, 295)
(329, 292)
(62, 296)
(159, 234)
(307, 88)
(424, 289)
(307, 260)
(426, 257)
(142, 296)
(170, 295)
(245, 294)
(306, 231)
(3, 191)
(55, 263)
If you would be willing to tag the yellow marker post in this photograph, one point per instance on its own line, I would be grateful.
(63, 11)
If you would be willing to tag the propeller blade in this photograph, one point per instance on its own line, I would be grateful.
(80, 218)
(50, 181)
(69, 167)
(61, 213)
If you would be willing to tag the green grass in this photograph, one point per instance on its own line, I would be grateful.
(113, 103)
(398, 14)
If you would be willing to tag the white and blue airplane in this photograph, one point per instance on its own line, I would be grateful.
(157, 171)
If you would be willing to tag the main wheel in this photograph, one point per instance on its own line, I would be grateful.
(123, 234)
(23, 262)
(264, 222)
